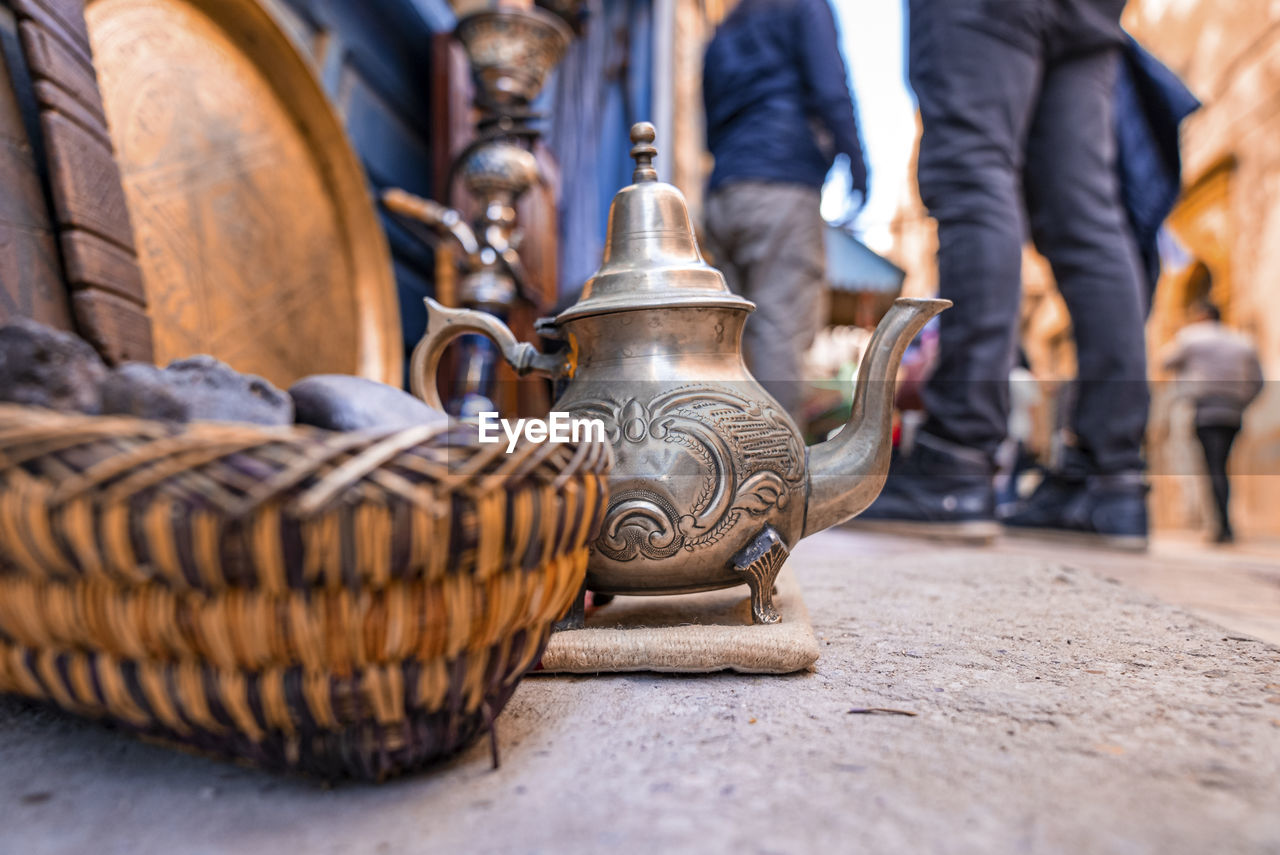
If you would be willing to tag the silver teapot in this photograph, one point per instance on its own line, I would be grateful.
(712, 484)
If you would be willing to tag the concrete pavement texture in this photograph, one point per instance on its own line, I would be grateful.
(1027, 704)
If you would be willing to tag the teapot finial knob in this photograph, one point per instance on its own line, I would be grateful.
(642, 149)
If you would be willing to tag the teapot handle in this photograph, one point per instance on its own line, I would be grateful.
(445, 324)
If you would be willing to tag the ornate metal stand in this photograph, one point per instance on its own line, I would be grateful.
(511, 51)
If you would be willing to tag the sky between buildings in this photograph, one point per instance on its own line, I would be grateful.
(872, 39)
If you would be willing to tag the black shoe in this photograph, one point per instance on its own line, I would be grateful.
(938, 490)
(1225, 535)
(1106, 510)
(1044, 507)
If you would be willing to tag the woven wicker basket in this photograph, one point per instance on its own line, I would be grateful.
(340, 604)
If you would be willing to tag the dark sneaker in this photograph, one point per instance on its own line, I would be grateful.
(938, 490)
(1044, 507)
(1102, 510)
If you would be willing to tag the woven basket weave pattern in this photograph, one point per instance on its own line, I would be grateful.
(345, 604)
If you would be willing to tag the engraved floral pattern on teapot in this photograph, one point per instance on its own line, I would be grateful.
(748, 457)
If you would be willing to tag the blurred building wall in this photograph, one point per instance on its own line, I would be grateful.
(1228, 222)
(693, 23)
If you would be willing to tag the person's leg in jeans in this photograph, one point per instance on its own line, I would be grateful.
(720, 238)
(786, 273)
(1078, 223)
(976, 75)
(1216, 441)
(771, 237)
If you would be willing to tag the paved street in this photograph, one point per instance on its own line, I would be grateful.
(1048, 700)
(1236, 586)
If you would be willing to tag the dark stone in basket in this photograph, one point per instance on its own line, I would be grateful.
(199, 388)
(343, 402)
(43, 367)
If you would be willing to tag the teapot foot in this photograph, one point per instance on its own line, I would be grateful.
(760, 563)
(576, 617)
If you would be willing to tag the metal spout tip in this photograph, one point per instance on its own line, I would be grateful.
(847, 471)
(933, 304)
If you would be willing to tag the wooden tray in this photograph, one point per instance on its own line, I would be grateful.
(256, 234)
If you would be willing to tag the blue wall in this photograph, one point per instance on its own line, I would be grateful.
(603, 86)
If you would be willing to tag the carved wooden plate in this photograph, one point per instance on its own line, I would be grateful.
(256, 235)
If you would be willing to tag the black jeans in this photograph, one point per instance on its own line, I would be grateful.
(1216, 441)
(1016, 99)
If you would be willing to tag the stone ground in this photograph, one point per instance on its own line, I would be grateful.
(1058, 706)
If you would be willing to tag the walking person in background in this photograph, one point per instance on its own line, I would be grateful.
(1017, 103)
(1220, 371)
(778, 111)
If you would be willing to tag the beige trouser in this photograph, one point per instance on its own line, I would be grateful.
(767, 239)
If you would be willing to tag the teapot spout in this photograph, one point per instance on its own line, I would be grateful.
(847, 472)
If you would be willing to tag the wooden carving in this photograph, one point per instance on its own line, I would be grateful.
(30, 279)
(92, 220)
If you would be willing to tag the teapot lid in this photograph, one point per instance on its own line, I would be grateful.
(651, 257)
